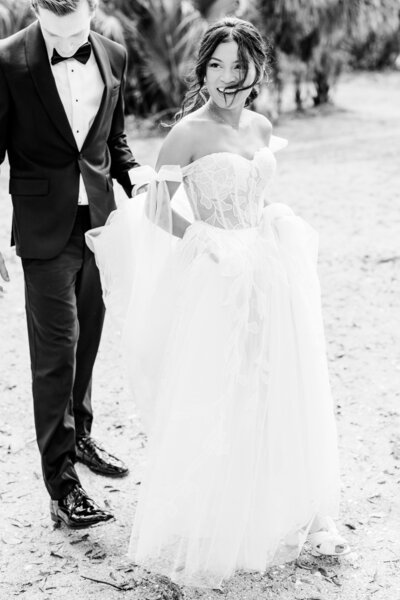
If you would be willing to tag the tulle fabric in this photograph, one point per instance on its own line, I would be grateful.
(224, 343)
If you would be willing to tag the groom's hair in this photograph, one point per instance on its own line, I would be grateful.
(61, 7)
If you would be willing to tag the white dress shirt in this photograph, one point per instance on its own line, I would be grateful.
(80, 88)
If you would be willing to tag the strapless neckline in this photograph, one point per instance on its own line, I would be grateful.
(222, 152)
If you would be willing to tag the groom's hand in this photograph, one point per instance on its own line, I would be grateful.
(3, 271)
(139, 189)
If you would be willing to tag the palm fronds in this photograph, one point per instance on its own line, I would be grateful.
(162, 38)
(14, 15)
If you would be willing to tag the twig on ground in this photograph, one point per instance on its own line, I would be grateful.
(393, 560)
(388, 259)
(122, 588)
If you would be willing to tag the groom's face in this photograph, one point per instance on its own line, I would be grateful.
(67, 32)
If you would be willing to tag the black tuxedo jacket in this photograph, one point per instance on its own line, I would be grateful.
(45, 163)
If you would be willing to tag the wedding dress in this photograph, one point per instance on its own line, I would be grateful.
(223, 338)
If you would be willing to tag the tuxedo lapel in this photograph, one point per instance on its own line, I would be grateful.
(103, 62)
(39, 66)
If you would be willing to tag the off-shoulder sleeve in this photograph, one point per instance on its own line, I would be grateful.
(277, 143)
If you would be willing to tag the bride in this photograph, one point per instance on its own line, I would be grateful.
(223, 338)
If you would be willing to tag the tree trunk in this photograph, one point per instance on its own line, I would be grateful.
(297, 94)
(321, 88)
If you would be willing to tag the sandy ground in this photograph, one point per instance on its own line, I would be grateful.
(341, 173)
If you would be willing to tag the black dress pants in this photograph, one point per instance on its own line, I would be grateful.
(65, 314)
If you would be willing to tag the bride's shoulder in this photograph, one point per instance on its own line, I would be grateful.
(192, 124)
(261, 124)
(187, 130)
(182, 140)
(179, 145)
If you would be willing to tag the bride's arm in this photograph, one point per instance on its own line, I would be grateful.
(177, 149)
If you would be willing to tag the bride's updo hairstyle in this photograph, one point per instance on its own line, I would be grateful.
(251, 48)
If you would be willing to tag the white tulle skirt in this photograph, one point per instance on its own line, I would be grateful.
(225, 351)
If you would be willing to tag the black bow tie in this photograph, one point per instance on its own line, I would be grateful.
(82, 54)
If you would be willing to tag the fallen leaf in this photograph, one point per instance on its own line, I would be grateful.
(84, 538)
(12, 541)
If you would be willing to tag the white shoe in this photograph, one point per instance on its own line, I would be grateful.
(327, 541)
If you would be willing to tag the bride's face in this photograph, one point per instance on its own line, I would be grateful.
(225, 70)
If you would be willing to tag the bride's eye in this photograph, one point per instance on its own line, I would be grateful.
(213, 64)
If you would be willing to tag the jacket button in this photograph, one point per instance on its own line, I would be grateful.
(80, 156)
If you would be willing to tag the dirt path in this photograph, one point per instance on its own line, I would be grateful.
(341, 173)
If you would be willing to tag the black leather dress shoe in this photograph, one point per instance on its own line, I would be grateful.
(77, 510)
(92, 454)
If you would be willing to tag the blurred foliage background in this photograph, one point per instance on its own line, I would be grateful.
(311, 43)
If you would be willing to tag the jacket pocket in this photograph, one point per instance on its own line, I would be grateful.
(28, 187)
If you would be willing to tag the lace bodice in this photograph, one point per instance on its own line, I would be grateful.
(227, 190)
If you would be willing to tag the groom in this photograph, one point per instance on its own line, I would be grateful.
(62, 125)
